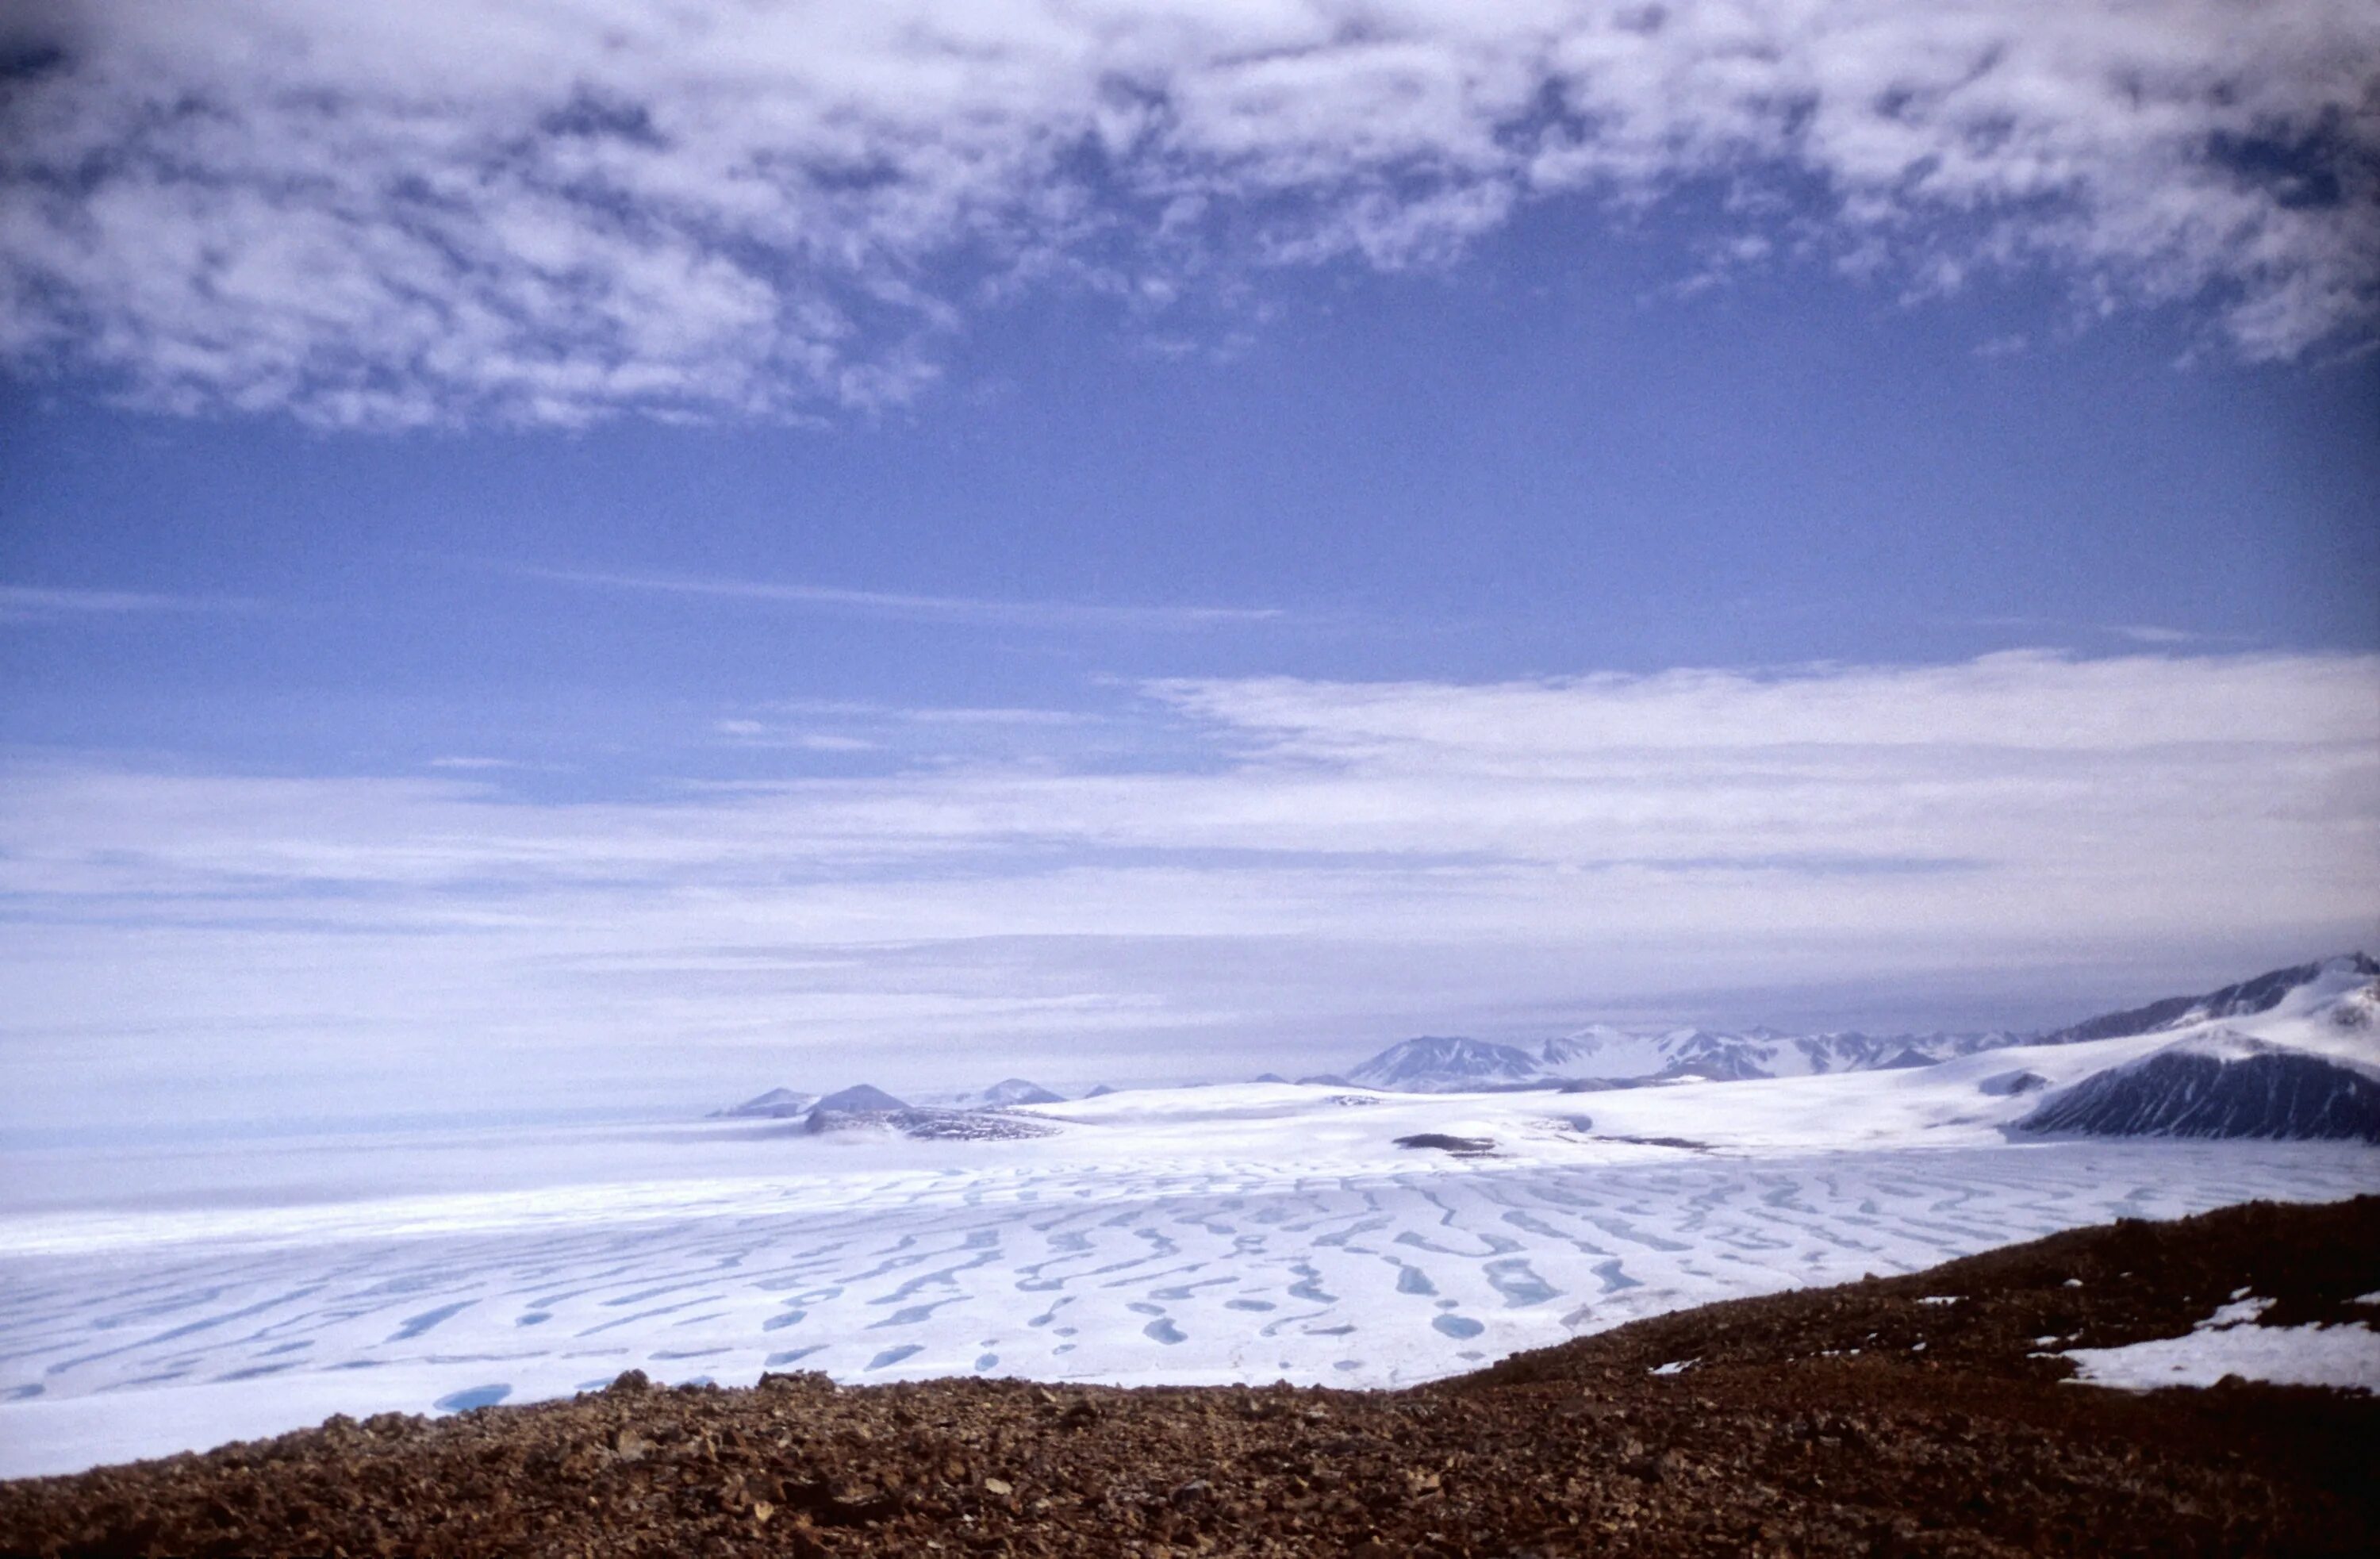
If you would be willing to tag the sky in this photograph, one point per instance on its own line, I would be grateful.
(596, 553)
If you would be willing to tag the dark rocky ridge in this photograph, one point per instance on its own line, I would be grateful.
(1809, 1422)
(2268, 1092)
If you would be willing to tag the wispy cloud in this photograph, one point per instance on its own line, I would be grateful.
(1345, 857)
(443, 212)
(2037, 629)
(2149, 633)
(970, 610)
(756, 733)
(44, 603)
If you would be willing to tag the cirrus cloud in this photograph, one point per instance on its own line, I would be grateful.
(555, 210)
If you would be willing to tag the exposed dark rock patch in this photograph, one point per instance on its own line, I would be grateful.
(965, 1126)
(1809, 1423)
(1460, 1147)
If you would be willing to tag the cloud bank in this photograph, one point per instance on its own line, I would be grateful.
(555, 210)
(1339, 863)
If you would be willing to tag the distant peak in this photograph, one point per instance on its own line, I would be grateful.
(1446, 1061)
(776, 1102)
(1018, 1090)
(861, 1097)
(2245, 999)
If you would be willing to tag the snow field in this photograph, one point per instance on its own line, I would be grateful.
(156, 1332)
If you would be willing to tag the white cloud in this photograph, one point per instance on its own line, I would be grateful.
(1340, 859)
(2022, 701)
(556, 211)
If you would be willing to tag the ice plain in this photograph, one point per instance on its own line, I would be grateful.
(1248, 1231)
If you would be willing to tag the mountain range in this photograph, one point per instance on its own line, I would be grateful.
(1604, 1057)
(2310, 1068)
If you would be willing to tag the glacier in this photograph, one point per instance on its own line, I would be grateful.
(160, 1298)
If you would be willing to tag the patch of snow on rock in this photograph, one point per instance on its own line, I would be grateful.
(2345, 1357)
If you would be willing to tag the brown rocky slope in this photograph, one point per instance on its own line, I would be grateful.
(1810, 1422)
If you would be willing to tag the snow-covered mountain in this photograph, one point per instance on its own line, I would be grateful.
(2245, 999)
(1603, 1056)
(1602, 1053)
(1441, 1065)
(2294, 1053)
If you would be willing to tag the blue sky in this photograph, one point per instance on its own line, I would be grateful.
(1163, 544)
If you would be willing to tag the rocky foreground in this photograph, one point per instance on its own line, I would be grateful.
(1870, 1419)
